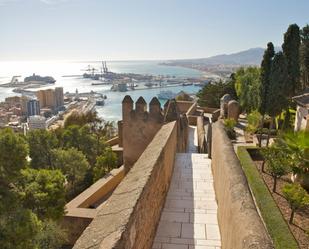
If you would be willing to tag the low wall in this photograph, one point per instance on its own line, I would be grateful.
(113, 141)
(201, 140)
(207, 109)
(240, 224)
(192, 109)
(184, 106)
(215, 115)
(130, 216)
(81, 210)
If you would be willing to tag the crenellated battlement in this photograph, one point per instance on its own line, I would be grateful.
(129, 114)
(138, 126)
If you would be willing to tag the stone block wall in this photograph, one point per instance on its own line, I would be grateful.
(129, 218)
(240, 225)
(139, 126)
(184, 106)
(80, 211)
(202, 148)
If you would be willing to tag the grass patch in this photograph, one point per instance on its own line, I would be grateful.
(277, 227)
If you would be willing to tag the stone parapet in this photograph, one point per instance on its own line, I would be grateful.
(240, 225)
(128, 219)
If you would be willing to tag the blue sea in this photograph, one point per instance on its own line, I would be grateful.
(111, 111)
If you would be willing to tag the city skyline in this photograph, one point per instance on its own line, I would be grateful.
(141, 30)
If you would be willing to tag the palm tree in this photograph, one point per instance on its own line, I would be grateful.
(296, 144)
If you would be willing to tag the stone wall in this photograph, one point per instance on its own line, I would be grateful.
(138, 127)
(184, 106)
(240, 225)
(130, 216)
(201, 139)
(83, 208)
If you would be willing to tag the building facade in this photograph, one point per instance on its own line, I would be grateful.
(33, 107)
(302, 112)
(36, 122)
(51, 98)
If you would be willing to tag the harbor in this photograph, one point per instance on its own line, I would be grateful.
(150, 80)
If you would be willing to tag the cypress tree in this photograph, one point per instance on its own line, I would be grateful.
(265, 77)
(304, 56)
(277, 100)
(290, 48)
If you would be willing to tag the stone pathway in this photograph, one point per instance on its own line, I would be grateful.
(189, 218)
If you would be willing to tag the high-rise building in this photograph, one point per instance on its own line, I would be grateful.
(59, 97)
(51, 98)
(24, 101)
(33, 107)
(41, 97)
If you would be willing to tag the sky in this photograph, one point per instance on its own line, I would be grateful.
(142, 29)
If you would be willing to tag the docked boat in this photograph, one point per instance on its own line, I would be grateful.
(166, 95)
(187, 84)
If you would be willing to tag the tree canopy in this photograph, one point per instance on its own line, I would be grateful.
(290, 49)
(247, 85)
(210, 94)
(265, 77)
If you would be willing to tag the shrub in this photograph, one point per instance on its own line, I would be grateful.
(254, 121)
(277, 163)
(296, 196)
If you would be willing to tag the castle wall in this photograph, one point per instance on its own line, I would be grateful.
(130, 216)
(139, 126)
(184, 106)
(240, 225)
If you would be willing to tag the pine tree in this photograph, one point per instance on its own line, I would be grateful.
(290, 48)
(304, 56)
(265, 77)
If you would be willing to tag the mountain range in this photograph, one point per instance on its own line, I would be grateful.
(252, 56)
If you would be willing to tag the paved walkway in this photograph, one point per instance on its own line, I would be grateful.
(189, 218)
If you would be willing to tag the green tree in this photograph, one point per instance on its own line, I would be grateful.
(210, 94)
(297, 198)
(51, 236)
(85, 140)
(81, 119)
(247, 87)
(41, 143)
(265, 77)
(13, 156)
(277, 163)
(290, 49)
(296, 146)
(304, 56)
(43, 192)
(74, 166)
(18, 228)
(105, 163)
(277, 100)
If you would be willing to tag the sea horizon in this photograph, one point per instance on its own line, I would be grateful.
(111, 111)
